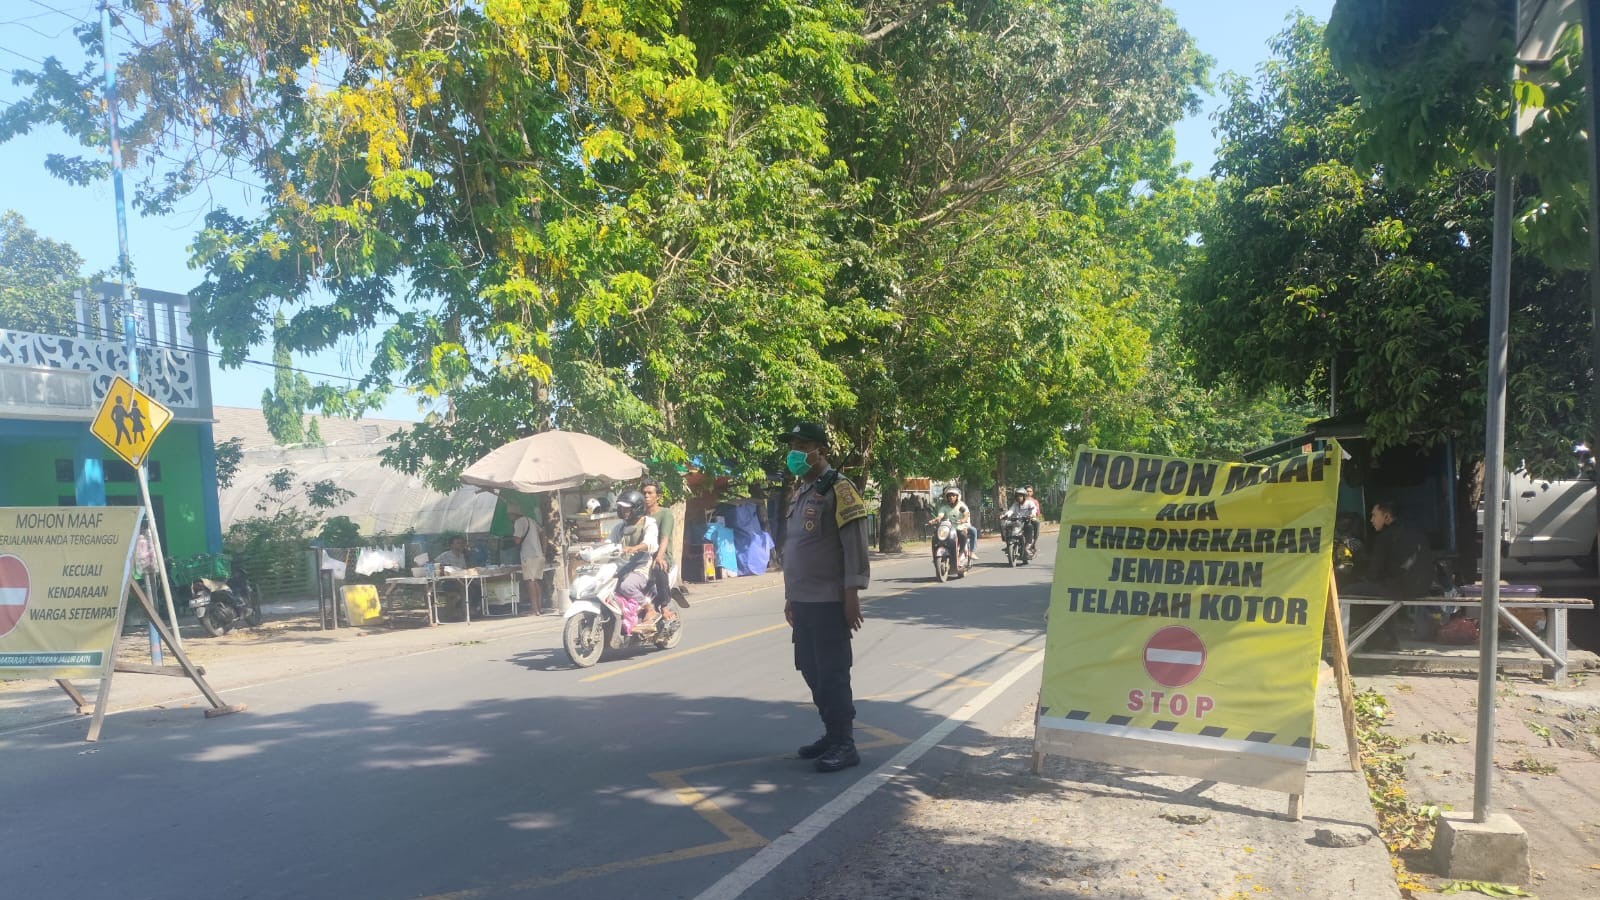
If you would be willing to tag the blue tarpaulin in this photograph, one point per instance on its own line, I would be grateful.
(722, 539)
(753, 543)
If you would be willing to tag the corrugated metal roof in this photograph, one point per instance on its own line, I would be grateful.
(385, 501)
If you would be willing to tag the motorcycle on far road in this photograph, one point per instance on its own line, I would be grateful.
(949, 560)
(220, 595)
(1014, 532)
(594, 617)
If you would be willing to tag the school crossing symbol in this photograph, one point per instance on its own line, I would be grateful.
(129, 421)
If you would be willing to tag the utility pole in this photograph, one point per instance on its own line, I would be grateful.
(130, 320)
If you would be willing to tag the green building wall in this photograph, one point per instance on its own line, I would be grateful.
(36, 469)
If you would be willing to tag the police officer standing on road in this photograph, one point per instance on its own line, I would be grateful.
(825, 568)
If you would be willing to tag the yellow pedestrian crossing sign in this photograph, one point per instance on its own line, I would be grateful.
(129, 421)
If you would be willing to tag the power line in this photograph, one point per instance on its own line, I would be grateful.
(28, 18)
(60, 12)
(37, 62)
(268, 365)
(152, 148)
(49, 37)
(93, 331)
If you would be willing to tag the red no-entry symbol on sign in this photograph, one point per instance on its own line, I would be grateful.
(1174, 656)
(13, 592)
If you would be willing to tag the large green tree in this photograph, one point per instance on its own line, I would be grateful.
(598, 215)
(284, 404)
(39, 279)
(1320, 275)
(678, 224)
(999, 325)
(1434, 77)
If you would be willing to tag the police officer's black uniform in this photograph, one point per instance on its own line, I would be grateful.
(824, 552)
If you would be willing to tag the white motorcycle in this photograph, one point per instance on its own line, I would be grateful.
(594, 617)
(950, 560)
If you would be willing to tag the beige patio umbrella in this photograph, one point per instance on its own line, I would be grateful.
(551, 461)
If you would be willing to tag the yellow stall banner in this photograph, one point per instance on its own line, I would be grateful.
(1187, 613)
(63, 576)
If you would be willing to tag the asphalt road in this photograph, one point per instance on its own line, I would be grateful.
(493, 769)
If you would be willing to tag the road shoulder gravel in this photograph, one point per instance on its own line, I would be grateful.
(992, 829)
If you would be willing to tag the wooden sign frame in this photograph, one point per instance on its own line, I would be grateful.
(184, 669)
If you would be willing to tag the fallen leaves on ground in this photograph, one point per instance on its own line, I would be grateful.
(1486, 888)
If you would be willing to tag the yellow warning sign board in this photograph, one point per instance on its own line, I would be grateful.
(63, 575)
(129, 421)
(1187, 613)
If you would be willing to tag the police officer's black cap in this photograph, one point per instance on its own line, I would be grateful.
(806, 431)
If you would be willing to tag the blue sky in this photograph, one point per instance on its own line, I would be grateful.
(1234, 34)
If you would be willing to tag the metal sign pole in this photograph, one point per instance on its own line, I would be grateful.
(130, 322)
(161, 562)
(558, 584)
(1590, 10)
(1494, 467)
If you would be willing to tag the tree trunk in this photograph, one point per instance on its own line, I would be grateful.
(1469, 493)
(889, 513)
(1000, 483)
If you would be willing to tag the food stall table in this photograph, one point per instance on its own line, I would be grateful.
(483, 575)
(422, 581)
(466, 577)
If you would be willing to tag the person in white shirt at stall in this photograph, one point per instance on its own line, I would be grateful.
(450, 562)
(530, 553)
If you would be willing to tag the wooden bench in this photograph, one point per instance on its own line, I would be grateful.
(1554, 652)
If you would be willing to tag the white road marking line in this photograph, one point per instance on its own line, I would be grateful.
(759, 866)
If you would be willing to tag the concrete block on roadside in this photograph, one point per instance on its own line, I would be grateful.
(1492, 850)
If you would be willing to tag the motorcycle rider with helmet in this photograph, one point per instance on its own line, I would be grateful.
(956, 513)
(1025, 509)
(638, 537)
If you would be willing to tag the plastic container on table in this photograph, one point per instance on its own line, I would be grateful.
(1533, 618)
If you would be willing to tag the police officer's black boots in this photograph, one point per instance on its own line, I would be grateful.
(841, 754)
(816, 748)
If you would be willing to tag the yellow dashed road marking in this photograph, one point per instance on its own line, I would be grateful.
(950, 677)
(1014, 648)
(671, 655)
(739, 836)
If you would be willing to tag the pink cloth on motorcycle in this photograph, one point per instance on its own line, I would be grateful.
(630, 613)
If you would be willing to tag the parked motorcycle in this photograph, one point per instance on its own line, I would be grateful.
(949, 560)
(594, 615)
(1014, 532)
(220, 604)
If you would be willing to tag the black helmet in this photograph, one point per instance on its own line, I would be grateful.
(634, 503)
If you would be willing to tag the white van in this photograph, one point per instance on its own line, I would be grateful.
(1551, 520)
